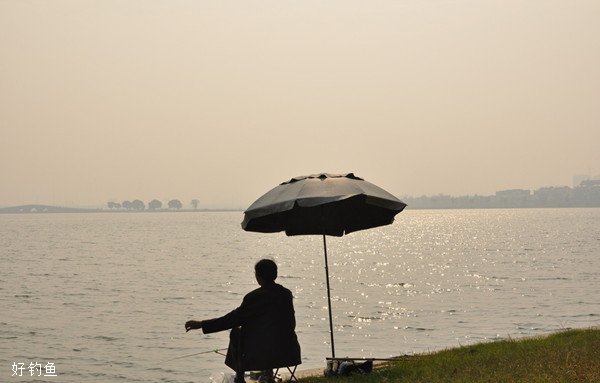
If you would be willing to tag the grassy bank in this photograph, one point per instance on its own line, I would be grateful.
(567, 356)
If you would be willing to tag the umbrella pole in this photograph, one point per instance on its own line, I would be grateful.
(328, 298)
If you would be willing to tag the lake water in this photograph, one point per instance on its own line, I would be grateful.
(104, 296)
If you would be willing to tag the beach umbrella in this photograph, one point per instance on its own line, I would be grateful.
(323, 204)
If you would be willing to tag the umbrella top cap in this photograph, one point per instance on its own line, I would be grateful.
(323, 176)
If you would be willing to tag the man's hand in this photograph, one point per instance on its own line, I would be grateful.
(193, 325)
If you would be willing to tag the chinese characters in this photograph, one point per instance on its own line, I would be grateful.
(34, 369)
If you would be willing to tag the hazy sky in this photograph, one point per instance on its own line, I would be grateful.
(220, 101)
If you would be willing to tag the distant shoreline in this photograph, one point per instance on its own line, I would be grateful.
(48, 209)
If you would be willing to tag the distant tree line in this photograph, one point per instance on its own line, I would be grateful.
(154, 205)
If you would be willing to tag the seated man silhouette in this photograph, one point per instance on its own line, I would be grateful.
(262, 329)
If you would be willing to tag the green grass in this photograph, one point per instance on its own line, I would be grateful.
(566, 356)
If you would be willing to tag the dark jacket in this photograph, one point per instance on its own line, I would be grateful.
(267, 338)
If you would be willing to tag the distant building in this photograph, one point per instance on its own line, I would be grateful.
(589, 183)
(513, 193)
(587, 193)
(580, 178)
(512, 198)
(554, 196)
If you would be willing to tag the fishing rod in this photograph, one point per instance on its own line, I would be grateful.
(391, 359)
(194, 354)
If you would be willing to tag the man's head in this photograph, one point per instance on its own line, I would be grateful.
(265, 271)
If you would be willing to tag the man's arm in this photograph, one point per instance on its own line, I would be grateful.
(233, 319)
(250, 305)
(226, 322)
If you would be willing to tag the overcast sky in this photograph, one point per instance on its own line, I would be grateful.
(220, 101)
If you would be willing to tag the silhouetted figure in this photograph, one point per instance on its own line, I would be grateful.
(263, 333)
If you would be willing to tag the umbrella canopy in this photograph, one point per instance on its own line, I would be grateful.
(329, 204)
(326, 204)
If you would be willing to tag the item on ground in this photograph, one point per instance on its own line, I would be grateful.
(347, 367)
